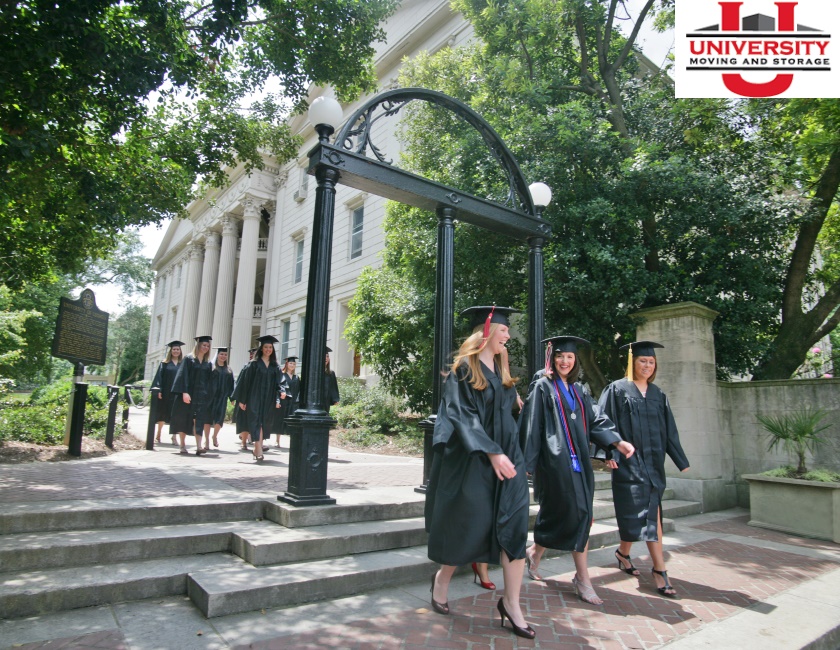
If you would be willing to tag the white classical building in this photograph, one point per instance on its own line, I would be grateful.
(238, 266)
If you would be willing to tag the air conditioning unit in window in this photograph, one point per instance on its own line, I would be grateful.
(299, 195)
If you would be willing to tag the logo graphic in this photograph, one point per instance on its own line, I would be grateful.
(755, 49)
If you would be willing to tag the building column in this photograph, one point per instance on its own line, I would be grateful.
(191, 294)
(243, 306)
(223, 310)
(209, 279)
(268, 270)
(685, 371)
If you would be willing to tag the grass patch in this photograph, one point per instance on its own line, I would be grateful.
(819, 475)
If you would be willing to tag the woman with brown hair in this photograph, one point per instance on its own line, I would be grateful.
(643, 417)
(561, 420)
(164, 378)
(222, 389)
(477, 496)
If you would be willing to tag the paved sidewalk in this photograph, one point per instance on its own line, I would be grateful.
(740, 587)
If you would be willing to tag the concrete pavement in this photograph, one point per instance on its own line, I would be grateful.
(740, 587)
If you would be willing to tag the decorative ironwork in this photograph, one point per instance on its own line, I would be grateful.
(453, 197)
(335, 158)
(356, 136)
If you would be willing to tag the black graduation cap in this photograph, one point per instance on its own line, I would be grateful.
(291, 359)
(329, 349)
(487, 314)
(173, 344)
(203, 339)
(221, 349)
(565, 343)
(267, 338)
(642, 348)
(252, 350)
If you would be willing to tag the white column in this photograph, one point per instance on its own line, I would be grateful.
(209, 279)
(243, 306)
(191, 294)
(223, 311)
(166, 335)
(268, 270)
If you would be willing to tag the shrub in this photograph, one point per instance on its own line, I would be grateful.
(819, 475)
(796, 432)
(30, 423)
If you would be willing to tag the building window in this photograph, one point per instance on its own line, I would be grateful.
(174, 320)
(178, 282)
(163, 287)
(357, 226)
(301, 332)
(298, 260)
(284, 339)
(159, 328)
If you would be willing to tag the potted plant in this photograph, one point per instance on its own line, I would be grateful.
(794, 500)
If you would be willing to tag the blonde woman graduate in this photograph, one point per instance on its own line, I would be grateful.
(643, 417)
(164, 378)
(560, 422)
(477, 496)
(194, 387)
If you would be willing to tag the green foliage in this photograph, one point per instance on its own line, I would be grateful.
(819, 475)
(110, 111)
(796, 432)
(373, 418)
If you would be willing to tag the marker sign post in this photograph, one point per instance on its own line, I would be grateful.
(81, 337)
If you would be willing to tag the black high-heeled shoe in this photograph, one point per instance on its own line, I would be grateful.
(440, 608)
(631, 570)
(477, 578)
(524, 632)
(666, 590)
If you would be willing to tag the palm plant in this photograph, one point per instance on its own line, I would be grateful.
(796, 432)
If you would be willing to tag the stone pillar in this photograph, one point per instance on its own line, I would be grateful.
(686, 373)
(243, 306)
(209, 279)
(191, 294)
(269, 267)
(223, 309)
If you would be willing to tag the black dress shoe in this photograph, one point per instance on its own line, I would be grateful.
(524, 632)
(440, 608)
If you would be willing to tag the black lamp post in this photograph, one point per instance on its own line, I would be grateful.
(541, 196)
(310, 425)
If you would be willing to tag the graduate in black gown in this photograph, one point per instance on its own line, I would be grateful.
(331, 396)
(560, 422)
(222, 389)
(643, 417)
(194, 395)
(260, 391)
(291, 401)
(477, 496)
(238, 416)
(164, 378)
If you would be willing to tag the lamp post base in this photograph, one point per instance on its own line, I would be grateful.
(308, 455)
(428, 427)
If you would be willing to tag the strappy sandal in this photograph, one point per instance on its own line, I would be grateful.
(631, 570)
(586, 592)
(666, 590)
(532, 569)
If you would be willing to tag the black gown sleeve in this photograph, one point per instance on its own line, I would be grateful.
(459, 414)
(183, 377)
(672, 439)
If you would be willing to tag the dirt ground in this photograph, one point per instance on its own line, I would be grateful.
(26, 452)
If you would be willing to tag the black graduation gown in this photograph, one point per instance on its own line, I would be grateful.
(222, 389)
(238, 414)
(565, 496)
(471, 516)
(196, 379)
(164, 378)
(290, 403)
(259, 389)
(639, 482)
(330, 390)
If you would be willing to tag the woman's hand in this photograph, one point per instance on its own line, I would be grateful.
(626, 448)
(242, 406)
(502, 466)
(519, 402)
(186, 397)
(160, 395)
(685, 470)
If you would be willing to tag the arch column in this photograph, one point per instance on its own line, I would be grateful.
(223, 309)
(192, 293)
(243, 306)
(536, 303)
(209, 280)
(269, 267)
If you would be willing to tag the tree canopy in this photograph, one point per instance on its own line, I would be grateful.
(111, 110)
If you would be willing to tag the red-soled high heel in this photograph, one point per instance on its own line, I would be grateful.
(477, 578)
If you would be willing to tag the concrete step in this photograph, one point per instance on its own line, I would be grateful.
(29, 593)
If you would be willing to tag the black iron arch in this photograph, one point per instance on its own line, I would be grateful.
(356, 135)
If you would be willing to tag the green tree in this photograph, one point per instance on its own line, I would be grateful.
(128, 337)
(110, 111)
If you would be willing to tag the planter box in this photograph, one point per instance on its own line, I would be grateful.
(805, 508)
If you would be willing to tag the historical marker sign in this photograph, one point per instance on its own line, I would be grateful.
(81, 331)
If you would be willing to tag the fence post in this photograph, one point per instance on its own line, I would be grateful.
(113, 394)
(126, 400)
(76, 417)
(150, 427)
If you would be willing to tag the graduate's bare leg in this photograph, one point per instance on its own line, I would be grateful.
(480, 568)
(657, 555)
(583, 584)
(183, 436)
(216, 428)
(206, 437)
(512, 571)
(244, 438)
(442, 578)
(258, 452)
(533, 555)
(159, 431)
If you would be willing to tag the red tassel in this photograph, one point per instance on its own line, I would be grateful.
(487, 322)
